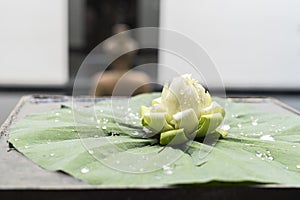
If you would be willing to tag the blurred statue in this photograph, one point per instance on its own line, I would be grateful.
(120, 80)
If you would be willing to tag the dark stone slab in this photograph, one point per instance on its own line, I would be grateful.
(20, 178)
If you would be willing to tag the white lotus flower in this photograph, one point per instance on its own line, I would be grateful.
(184, 111)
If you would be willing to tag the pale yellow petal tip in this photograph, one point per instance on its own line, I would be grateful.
(222, 132)
(144, 110)
(156, 101)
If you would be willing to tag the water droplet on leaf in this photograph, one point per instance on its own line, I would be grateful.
(84, 170)
(135, 133)
(167, 169)
(254, 123)
(225, 127)
(105, 121)
(270, 158)
(258, 154)
(267, 138)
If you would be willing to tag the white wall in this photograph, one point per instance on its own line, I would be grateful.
(254, 43)
(33, 42)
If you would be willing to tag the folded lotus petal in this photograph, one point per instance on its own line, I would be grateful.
(213, 108)
(158, 108)
(187, 120)
(156, 122)
(208, 123)
(173, 137)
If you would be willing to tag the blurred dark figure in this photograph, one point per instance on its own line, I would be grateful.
(102, 15)
(120, 80)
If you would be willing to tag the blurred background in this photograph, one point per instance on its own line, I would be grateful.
(255, 44)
